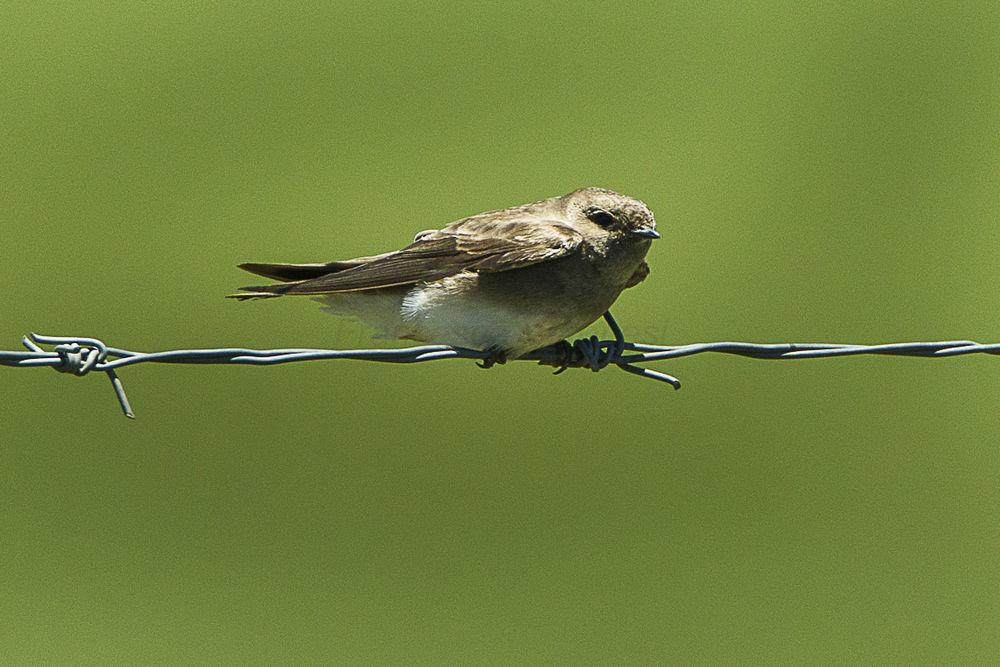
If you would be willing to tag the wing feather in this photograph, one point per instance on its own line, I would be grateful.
(434, 255)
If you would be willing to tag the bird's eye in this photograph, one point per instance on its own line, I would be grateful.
(601, 217)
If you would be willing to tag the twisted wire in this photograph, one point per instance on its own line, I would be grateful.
(80, 356)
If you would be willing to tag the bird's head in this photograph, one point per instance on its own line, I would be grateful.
(612, 213)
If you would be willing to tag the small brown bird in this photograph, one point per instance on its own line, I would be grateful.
(508, 281)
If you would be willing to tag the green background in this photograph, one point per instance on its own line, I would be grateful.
(820, 173)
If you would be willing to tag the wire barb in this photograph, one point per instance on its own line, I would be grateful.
(80, 356)
(77, 356)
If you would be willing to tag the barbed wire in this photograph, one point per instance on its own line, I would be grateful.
(79, 355)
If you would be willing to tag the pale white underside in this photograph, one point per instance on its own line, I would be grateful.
(451, 312)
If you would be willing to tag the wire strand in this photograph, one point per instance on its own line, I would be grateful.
(80, 355)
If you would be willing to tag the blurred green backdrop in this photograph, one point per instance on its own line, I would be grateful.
(820, 172)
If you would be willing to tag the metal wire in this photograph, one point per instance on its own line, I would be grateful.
(79, 356)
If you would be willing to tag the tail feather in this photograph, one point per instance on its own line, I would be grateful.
(259, 292)
(287, 272)
(290, 274)
(248, 297)
(294, 272)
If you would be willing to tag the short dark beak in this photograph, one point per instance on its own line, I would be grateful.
(648, 232)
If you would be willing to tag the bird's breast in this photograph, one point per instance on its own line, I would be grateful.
(518, 310)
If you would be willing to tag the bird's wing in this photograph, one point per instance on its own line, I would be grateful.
(502, 246)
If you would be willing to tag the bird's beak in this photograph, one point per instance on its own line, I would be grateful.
(648, 232)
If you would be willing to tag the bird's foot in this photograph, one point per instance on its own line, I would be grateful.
(497, 356)
(567, 355)
(592, 352)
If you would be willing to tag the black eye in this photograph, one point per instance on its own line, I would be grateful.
(601, 217)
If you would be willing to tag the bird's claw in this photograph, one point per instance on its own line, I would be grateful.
(497, 356)
(592, 352)
(566, 352)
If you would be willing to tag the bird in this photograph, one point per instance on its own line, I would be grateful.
(505, 282)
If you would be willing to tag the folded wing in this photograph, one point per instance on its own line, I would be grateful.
(434, 255)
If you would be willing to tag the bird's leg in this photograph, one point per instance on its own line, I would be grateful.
(497, 356)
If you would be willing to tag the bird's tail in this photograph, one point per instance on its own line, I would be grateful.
(253, 293)
(291, 272)
(288, 273)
